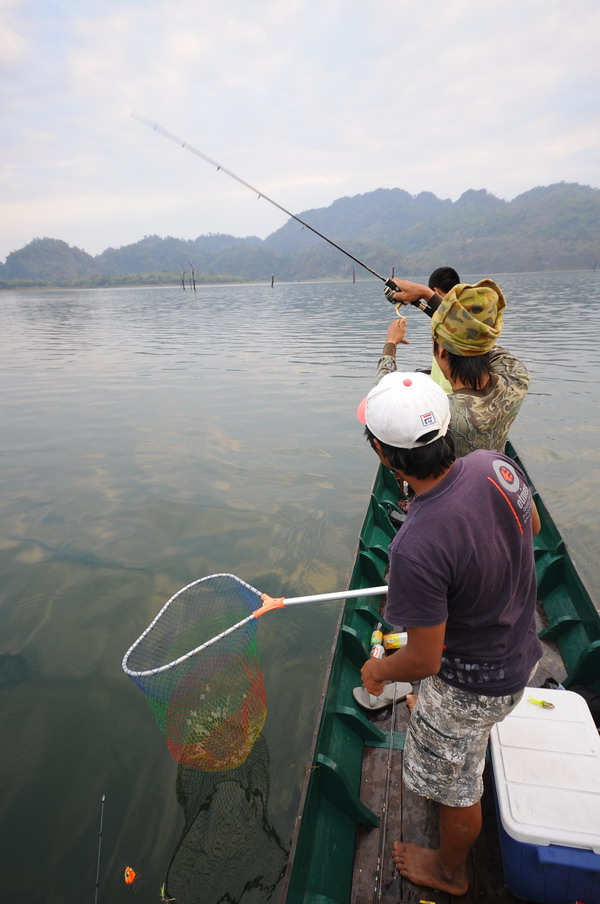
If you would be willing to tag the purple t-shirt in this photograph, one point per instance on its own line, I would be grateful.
(464, 556)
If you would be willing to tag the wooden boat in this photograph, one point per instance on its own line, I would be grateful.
(341, 845)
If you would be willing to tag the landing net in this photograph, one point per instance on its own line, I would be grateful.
(210, 702)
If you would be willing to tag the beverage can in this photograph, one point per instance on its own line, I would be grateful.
(377, 651)
(395, 641)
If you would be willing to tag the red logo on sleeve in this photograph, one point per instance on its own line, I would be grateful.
(507, 476)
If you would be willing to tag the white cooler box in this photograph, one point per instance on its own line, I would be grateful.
(546, 766)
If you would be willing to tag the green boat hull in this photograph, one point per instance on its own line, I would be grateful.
(320, 867)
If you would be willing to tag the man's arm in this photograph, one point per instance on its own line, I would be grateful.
(421, 657)
(536, 524)
(394, 337)
(408, 292)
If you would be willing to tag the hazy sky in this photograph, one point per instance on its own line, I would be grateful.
(308, 100)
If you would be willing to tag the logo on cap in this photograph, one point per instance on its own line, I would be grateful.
(428, 419)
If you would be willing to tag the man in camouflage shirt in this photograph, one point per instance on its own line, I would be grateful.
(488, 382)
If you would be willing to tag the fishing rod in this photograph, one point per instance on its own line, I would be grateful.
(390, 286)
(377, 891)
(102, 799)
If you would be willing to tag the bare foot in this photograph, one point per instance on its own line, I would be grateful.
(411, 699)
(421, 866)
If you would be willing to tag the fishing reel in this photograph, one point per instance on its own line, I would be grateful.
(391, 288)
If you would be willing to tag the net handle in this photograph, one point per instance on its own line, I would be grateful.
(268, 603)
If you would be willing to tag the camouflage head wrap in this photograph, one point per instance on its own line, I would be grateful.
(469, 319)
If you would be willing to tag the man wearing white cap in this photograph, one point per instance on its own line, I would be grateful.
(462, 582)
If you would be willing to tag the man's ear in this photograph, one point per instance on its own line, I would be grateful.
(377, 445)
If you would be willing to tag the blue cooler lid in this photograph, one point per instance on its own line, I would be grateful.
(547, 771)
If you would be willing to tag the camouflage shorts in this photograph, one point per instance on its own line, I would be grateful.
(446, 741)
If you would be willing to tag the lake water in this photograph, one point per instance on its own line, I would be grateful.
(151, 437)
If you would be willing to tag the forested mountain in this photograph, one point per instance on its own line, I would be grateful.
(49, 258)
(556, 227)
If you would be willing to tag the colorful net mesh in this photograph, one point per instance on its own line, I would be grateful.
(209, 701)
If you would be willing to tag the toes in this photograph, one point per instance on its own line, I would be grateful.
(398, 855)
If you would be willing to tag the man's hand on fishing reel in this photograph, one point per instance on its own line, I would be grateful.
(407, 292)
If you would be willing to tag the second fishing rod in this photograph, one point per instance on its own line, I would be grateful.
(390, 287)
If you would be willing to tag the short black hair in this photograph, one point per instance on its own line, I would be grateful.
(474, 371)
(444, 278)
(430, 460)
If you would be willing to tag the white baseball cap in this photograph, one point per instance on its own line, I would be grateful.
(403, 407)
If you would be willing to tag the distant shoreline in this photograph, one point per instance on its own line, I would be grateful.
(227, 280)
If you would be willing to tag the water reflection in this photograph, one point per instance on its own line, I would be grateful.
(14, 670)
(228, 849)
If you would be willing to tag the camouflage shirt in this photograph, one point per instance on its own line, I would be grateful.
(481, 419)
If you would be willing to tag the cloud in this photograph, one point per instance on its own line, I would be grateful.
(13, 46)
(306, 100)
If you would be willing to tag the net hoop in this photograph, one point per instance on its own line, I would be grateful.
(169, 665)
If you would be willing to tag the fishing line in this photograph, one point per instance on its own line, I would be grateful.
(390, 285)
